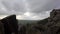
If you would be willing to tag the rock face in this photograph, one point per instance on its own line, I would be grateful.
(10, 24)
(53, 25)
(54, 22)
(1, 28)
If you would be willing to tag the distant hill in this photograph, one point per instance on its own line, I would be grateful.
(43, 22)
(27, 21)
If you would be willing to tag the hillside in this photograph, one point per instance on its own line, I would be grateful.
(43, 22)
(27, 21)
(50, 25)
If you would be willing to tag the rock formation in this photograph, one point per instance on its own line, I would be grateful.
(10, 24)
(54, 22)
(53, 25)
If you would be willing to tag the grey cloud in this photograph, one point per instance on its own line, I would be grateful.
(13, 6)
(37, 7)
(44, 5)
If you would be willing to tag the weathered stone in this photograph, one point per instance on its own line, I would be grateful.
(53, 25)
(50, 24)
(52, 14)
(1, 28)
(54, 22)
(10, 24)
(52, 30)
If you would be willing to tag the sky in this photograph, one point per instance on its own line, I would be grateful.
(28, 9)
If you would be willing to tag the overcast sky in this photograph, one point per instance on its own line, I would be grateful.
(28, 9)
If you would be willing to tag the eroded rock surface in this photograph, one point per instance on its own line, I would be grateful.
(53, 25)
(1, 28)
(10, 24)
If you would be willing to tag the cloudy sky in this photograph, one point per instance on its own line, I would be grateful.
(28, 9)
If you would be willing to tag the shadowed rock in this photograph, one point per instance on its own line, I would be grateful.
(53, 25)
(10, 24)
(54, 22)
(1, 28)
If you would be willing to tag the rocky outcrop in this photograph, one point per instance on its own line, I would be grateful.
(10, 24)
(53, 24)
